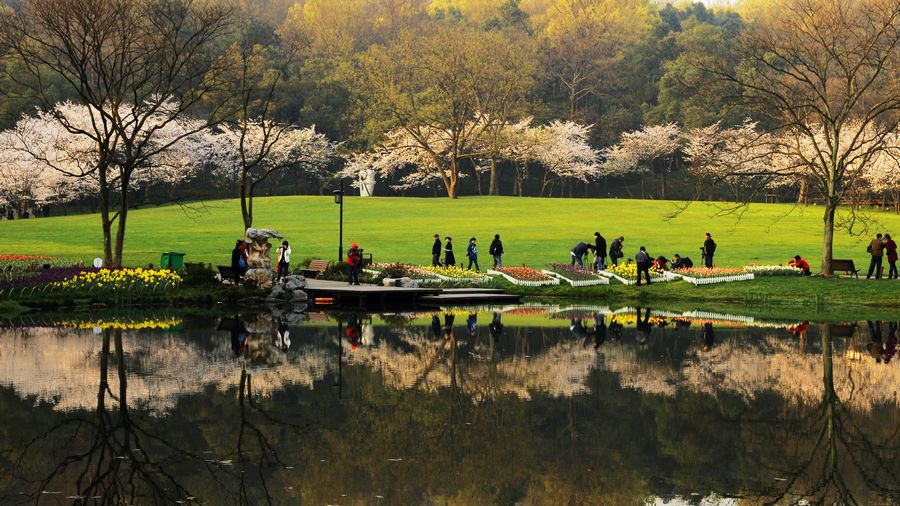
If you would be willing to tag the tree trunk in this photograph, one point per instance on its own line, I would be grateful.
(494, 188)
(105, 220)
(804, 191)
(828, 237)
(246, 201)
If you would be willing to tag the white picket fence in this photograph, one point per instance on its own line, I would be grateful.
(524, 282)
(578, 282)
(716, 279)
(659, 278)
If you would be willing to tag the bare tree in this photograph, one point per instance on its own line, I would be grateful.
(137, 65)
(824, 75)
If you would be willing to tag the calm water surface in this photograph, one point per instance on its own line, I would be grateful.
(511, 405)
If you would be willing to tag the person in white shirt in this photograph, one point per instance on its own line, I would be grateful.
(283, 254)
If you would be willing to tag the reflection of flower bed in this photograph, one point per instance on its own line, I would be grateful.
(119, 324)
(121, 280)
(576, 276)
(704, 276)
(773, 270)
(525, 276)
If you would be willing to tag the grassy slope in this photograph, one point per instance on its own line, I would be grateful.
(534, 231)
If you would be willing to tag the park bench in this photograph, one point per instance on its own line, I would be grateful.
(844, 266)
(315, 268)
(226, 272)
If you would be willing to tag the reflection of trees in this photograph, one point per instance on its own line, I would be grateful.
(109, 458)
(837, 459)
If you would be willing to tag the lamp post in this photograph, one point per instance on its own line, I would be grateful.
(339, 199)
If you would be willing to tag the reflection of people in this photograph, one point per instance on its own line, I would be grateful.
(448, 324)
(238, 337)
(875, 347)
(283, 337)
(709, 338)
(353, 331)
(799, 329)
(615, 331)
(642, 326)
(435, 326)
(472, 324)
(599, 330)
(890, 344)
(576, 327)
(496, 326)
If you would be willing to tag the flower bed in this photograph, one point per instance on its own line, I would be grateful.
(398, 270)
(575, 276)
(773, 270)
(627, 274)
(704, 276)
(525, 276)
(120, 280)
(11, 265)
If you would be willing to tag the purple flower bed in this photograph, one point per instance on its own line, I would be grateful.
(43, 277)
(572, 272)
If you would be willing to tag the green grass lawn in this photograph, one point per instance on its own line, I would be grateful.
(535, 231)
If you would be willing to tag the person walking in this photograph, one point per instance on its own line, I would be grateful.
(578, 253)
(238, 262)
(283, 254)
(496, 251)
(876, 249)
(449, 258)
(354, 264)
(642, 259)
(436, 251)
(472, 253)
(890, 251)
(709, 249)
(599, 252)
(615, 250)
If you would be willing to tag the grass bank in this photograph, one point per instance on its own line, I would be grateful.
(535, 231)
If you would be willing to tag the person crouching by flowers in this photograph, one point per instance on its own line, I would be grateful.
(642, 259)
(799, 263)
(354, 264)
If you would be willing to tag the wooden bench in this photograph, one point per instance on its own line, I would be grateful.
(315, 268)
(845, 266)
(226, 272)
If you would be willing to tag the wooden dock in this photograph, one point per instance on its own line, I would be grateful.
(337, 293)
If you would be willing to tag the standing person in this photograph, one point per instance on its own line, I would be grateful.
(436, 251)
(709, 249)
(283, 253)
(449, 258)
(578, 253)
(890, 250)
(615, 250)
(354, 264)
(496, 251)
(876, 249)
(599, 252)
(472, 253)
(238, 263)
(642, 259)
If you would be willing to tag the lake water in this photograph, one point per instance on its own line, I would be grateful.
(527, 404)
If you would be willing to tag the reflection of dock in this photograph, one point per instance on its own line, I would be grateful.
(338, 293)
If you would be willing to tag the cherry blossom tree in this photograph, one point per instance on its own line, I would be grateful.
(252, 151)
(561, 148)
(651, 150)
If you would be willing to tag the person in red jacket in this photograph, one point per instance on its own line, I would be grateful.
(800, 263)
(354, 263)
(890, 250)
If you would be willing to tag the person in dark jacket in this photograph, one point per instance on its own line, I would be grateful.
(238, 263)
(449, 258)
(496, 251)
(615, 250)
(472, 253)
(890, 251)
(709, 249)
(682, 263)
(436, 251)
(578, 253)
(354, 264)
(876, 249)
(599, 252)
(642, 259)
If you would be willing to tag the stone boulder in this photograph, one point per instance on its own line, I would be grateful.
(294, 282)
(259, 278)
(257, 240)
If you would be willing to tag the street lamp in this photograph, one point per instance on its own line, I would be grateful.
(339, 199)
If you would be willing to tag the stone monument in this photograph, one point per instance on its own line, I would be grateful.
(259, 272)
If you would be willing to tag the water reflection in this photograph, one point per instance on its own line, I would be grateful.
(593, 405)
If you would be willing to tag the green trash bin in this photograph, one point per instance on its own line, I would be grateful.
(172, 260)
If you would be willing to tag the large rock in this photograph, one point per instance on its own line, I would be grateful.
(294, 283)
(257, 240)
(260, 278)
